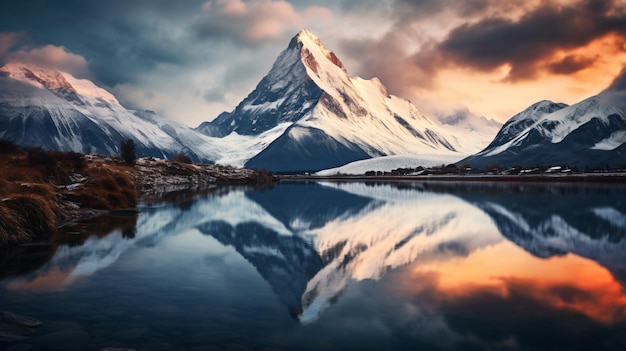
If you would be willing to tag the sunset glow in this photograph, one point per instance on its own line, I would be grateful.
(194, 61)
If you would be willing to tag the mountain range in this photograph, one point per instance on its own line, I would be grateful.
(46, 108)
(589, 134)
(307, 114)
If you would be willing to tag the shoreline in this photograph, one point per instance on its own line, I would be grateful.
(606, 178)
(42, 192)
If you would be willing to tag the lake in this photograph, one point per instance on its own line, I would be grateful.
(336, 266)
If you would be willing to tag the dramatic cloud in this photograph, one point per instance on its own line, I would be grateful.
(253, 22)
(571, 63)
(51, 56)
(528, 44)
(191, 60)
(56, 57)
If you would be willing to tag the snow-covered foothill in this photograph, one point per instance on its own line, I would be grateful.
(389, 163)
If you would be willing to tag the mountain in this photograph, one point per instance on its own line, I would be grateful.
(389, 163)
(478, 130)
(323, 118)
(589, 134)
(307, 114)
(42, 107)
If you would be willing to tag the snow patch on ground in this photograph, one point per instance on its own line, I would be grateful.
(388, 163)
(612, 142)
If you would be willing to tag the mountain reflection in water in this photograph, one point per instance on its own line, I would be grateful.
(443, 266)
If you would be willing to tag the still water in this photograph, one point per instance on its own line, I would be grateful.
(336, 266)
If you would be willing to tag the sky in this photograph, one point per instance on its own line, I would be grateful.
(190, 60)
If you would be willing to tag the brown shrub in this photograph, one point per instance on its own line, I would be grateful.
(6, 187)
(116, 200)
(131, 197)
(108, 188)
(106, 182)
(33, 216)
(88, 198)
(38, 157)
(46, 191)
(55, 166)
(10, 230)
(124, 180)
(22, 174)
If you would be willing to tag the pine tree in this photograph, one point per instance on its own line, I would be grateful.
(127, 151)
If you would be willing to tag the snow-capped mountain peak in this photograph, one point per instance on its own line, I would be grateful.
(315, 55)
(525, 119)
(87, 88)
(588, 134)
(58, 82)
(37, 76)
(321, 117)
(44, 107)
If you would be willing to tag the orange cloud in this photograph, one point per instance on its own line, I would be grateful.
(57, 57)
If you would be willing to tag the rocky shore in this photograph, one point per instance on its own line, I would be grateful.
(157, 177)
(41, 191)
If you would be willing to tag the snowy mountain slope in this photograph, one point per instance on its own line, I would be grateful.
(389, 163)
(51, 109)
(587, 134)
(332, 118)
(477, 132)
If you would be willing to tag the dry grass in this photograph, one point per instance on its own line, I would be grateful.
(10, 231)
(26, 217)
(108, 188)
(32, 192)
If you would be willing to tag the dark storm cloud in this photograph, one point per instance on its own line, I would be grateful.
(388, 59)
(250, 23)
(412, 10)
(527, 43)
(492, 34)
(571, 63)
(120, 39)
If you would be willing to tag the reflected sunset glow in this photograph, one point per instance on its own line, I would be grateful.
(567, 282)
